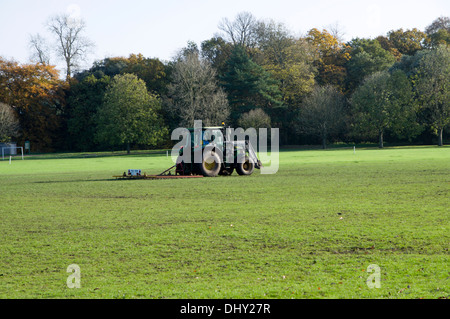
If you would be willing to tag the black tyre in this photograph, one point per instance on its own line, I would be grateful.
(246, 167)
(210, 166)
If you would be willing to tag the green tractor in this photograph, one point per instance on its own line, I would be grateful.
(213, 152)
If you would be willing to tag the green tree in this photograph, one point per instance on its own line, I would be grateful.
(388, 46)
(294, 72)
(83, 102)
(323, 113)
(151, 70)
(438, 32)
(216, 51)
(367, 57)
(256, 119)
(129, 114)
(440, 37)
(108, 66)
(287, 59)
(409, 63)
(384, 102)
(432, 83)
(154, 73)
(249, 86)
(407, 42)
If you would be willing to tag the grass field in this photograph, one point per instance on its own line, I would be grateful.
(309, 231)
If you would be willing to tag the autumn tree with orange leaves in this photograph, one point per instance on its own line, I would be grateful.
(36, 94)
(331, 57)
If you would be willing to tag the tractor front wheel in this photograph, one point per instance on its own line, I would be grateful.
(246, 167)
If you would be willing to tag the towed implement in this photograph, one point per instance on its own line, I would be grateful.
(164, 175)
(207, 152)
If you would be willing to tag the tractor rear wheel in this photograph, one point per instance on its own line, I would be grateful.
(246, 167)
(210, 166)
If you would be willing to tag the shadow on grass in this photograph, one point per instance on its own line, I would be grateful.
(77, 181)
(95, 180)
(334, 147)
(50, 156)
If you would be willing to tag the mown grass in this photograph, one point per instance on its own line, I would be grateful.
(309, 231)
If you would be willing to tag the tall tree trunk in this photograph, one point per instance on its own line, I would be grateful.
(440, 140)
(69, 69)
(128, 148)
(324, 136)
(381, 144)
(324, 141)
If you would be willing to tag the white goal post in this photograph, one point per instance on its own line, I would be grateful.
(11, 147)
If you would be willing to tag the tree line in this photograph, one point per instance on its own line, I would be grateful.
(316, 88)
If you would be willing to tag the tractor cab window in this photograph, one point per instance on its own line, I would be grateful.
(206, 138)
(213, 136)
(217, 137)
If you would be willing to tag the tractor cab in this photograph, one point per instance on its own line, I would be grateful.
(208, 135)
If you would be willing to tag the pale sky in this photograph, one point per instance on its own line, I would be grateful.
(158, 29)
